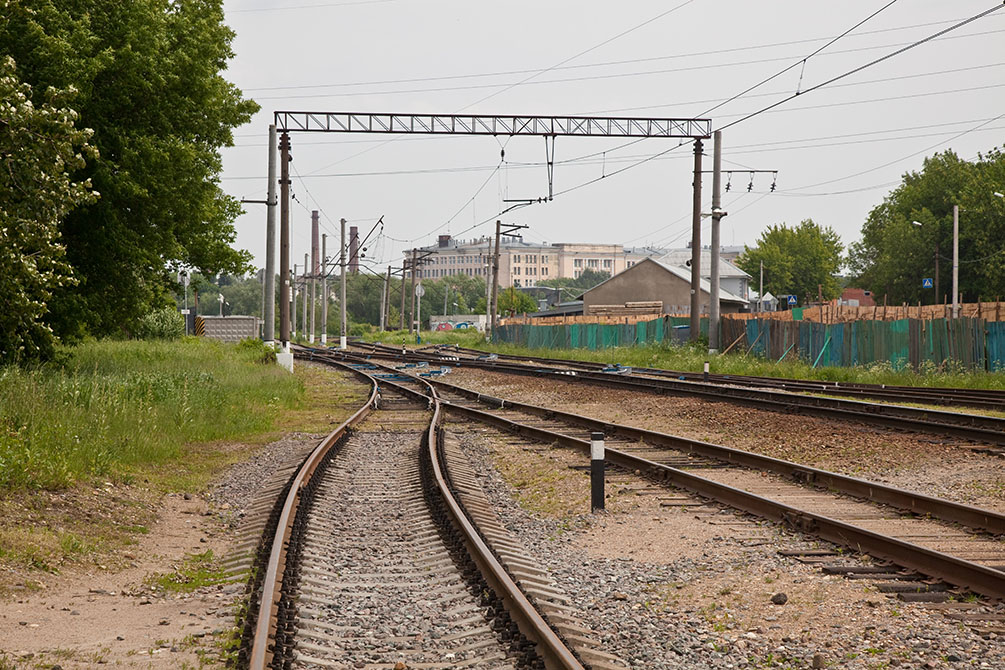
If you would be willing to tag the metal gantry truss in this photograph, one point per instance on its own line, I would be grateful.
(472, 124)
(286, 122)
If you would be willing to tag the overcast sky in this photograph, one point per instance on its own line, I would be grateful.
(838, 150)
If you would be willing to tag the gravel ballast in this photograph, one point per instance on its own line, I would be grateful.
(665, 587)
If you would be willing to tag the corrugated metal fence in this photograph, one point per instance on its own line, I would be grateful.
(970, 342)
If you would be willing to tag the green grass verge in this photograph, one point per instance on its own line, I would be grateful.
(111, 409)
(195, 572)
(691, 358)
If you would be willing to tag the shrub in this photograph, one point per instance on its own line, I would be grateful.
(162, 324)
(256, 350)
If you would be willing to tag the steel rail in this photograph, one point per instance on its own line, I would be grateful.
(916, 503)
(265, 623)
(957, 571)
(955, 424)
(550, 647)
(985, 398)
(909, 501)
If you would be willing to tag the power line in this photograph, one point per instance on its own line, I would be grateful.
(759, 147)
(596, 77)
(317, 6)
(631, 61)
(866, 65)
(786, 69)
(893, 162)
(581, 53)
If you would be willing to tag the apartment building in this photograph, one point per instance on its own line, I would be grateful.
(525, 263)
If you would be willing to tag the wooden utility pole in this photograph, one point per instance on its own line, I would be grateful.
(696, 247)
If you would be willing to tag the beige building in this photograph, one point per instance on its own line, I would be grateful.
(654, 281)
(525, 263)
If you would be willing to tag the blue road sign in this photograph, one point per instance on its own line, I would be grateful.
(927, 282)
(792, 300)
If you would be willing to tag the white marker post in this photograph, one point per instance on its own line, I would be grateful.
(704, 374)
(596, 471)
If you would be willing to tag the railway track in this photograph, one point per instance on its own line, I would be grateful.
(382, 553)
(931, 544)
(977, 428)
(989, 399)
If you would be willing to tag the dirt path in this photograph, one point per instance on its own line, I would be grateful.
(81, 620)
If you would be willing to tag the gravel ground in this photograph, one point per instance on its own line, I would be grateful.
(691, 586)
(938, 466)
(239, 486)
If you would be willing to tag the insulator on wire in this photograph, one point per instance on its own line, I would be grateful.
(774, 181)
(750, 186)
(729, 180)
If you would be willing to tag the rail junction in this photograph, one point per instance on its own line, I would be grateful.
(446, 545)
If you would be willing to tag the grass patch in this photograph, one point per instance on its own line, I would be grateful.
(195, 572)
(110, 409)
(89, 445)
(691, 358)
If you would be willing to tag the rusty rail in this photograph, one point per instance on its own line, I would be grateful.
(549, 646)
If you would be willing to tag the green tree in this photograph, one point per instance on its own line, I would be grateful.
(894, 254)
(574, 287)
(796, 260)
(149, 76)
(513, 302)
(40, 146)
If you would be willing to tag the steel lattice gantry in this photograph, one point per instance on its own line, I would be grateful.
(287, 122)
(468, 124)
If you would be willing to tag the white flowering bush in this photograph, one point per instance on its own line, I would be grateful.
(40, 148)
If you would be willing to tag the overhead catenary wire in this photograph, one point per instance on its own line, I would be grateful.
(631, 61)
(579, 54)
(865, 66)
(793, 65)
(759, 147)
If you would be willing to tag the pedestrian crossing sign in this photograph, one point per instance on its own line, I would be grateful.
(926, 282)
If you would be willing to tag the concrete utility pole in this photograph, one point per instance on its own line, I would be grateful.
(401, 314)
(956, 261)
(696, 247)
(324, 291)
(495, 279)
(383, 298)
(760, 291)
(304, 295)
(488, 292)
(293, 302)
(342, 337)
(387, 300)
(269, 311)
(284, 241)
(314, 273)
(717, 214)
(411, 309)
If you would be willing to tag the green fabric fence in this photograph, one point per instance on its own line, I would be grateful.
(972, 343)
